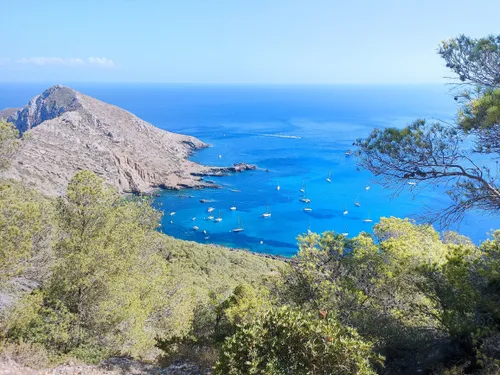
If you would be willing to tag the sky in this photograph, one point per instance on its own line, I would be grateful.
(235, 41)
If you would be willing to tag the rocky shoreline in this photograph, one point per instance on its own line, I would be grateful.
(66, 131)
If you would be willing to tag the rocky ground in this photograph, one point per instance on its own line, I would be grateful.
(112, 366)
(66, 131)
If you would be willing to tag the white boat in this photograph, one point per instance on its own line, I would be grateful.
(210, 209)
(195, 228)
(207, 237)
(193, 218)
(329, 178)
(220, 156)
(172, 213)
(218, 219)
(345, 212)
(348, 153)
(303, 188)
(204, 232)
(367, 220)
(412, 183)
(233, 207)
(210, 217)
(308, 209)
(278, 187)
(240, 227)
(356, 203)
(304, 199)
(367, 188)
(267, 213)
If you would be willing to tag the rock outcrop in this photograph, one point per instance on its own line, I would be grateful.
(66, 131)
(7, 112)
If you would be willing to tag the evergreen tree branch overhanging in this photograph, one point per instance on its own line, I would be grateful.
(423, 153)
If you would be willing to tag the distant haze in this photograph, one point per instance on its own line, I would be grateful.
(227, 41)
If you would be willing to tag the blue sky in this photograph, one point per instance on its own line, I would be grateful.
(234, 41)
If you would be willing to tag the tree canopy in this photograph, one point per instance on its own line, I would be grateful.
(437, 153)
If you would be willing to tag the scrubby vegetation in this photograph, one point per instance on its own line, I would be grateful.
(105, 282)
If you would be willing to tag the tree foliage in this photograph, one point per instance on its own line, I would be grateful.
(437, 154)
(481, 118)
(25, 232)
(105, 273)
(473, 60)
(429, 154)
(111, 283)
(287, 341)
(406, 290)
(367, 285)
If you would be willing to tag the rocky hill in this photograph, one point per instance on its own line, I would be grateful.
(66, 131)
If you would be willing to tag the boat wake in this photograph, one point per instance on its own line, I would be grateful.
(281, 136)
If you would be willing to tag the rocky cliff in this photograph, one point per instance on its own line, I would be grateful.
(66, 131)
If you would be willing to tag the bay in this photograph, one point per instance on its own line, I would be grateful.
(299, 134)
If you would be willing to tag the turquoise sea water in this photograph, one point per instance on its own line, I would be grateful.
(237, 122)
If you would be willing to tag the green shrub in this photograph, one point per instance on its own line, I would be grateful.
(287, 341)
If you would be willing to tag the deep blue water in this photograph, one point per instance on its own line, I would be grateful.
(235, 121)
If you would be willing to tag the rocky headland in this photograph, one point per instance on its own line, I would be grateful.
(65, 131)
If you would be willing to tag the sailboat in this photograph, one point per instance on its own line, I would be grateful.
(367, 220)
(345, 210)
(345, 233)
(233, 207)
(240, 227)
(218, 219)
(329, 178)
(356, 203)
(303, 188)
(304, 199)
(267, 213)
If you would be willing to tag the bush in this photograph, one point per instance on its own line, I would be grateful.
(286, 341)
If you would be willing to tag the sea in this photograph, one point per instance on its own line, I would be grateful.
(297, 136)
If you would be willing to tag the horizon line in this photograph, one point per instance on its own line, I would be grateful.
(64, 82)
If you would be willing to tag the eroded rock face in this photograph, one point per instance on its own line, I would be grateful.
(67, 131)
(7, 112)
(46, 106)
